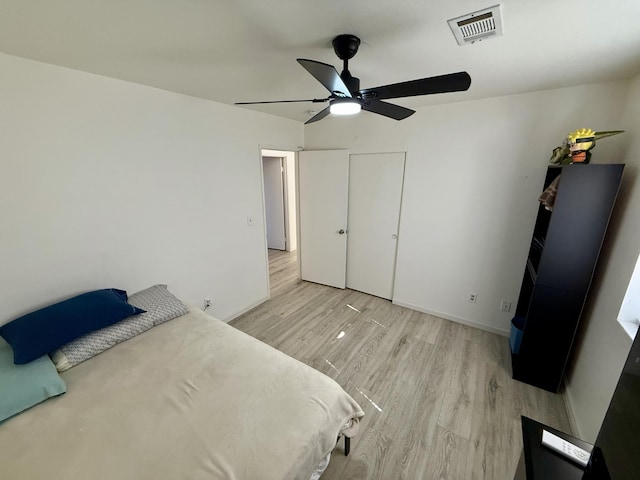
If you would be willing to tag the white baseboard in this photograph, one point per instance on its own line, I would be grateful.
(453, 318)
(400, 303)
(571, 414)
(245, 310)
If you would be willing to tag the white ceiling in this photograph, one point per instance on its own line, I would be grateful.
(245, 50)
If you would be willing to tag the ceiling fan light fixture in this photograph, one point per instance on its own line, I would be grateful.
(345, 106)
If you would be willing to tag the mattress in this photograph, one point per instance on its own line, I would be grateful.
(193, 398)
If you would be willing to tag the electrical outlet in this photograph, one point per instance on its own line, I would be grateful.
(472, 297)
(505, 306)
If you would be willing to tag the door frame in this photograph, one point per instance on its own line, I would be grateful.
(275, 149)
(285, 199)
(282, 193)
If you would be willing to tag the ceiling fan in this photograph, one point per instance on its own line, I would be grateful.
(347, 98)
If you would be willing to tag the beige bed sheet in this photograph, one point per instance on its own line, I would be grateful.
(190, 399)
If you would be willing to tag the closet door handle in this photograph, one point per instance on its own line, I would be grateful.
(341, 231)
(394, 236)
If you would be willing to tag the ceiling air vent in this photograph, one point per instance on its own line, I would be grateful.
(476, 26)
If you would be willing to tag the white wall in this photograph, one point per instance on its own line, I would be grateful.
(602, 346)
(474, 171)
(108, 183)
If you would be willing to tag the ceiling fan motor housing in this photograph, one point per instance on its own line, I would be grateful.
(346, 46)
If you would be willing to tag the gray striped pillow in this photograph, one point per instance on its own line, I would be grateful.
(159, 303)
(160, 306)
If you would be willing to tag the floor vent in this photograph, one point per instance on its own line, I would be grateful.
(476, 26)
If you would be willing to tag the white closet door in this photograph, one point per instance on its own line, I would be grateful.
(375, 194)
(323, 193)
(274, 202)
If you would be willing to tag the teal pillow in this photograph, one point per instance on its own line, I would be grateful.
(23, 386)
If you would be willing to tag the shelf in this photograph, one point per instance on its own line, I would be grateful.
(562, 257)
(535, 253)
(532, 271)
(538, 242)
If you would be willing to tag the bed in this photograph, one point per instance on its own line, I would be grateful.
(193, 398)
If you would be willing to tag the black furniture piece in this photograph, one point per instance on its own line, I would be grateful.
(562, 258)
(615, 455)
(540, 463)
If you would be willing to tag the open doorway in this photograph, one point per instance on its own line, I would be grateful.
(279, 177)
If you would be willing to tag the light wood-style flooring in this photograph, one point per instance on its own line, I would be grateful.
(438, 396)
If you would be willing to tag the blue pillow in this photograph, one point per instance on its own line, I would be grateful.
(24, 386)
(45, 330)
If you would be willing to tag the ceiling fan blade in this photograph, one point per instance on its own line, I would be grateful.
(452, 82)
(314, 100)
(318, 116)
(387, 109)
(327, 75)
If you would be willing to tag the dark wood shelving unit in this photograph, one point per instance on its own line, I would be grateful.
(539, 462)
(562, 258)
